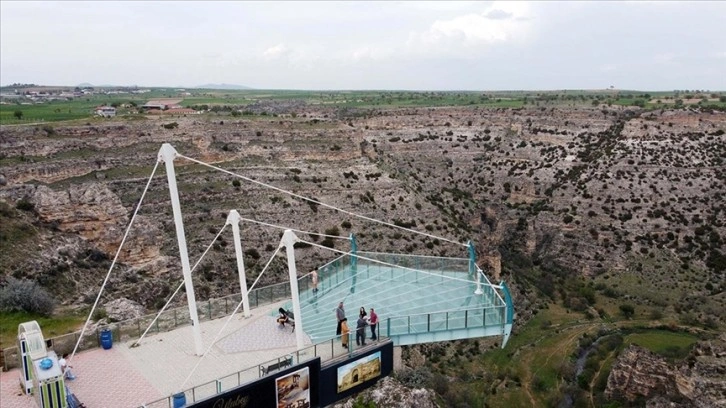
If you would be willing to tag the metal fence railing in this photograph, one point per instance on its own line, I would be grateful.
(330, 349)
(327, 350)
(169, 320)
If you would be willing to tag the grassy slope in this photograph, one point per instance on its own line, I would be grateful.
(51, 326)
(529, 369)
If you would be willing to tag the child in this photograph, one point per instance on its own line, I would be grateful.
(66, 368)
(344, 332)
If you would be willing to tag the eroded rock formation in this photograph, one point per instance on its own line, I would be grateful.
(699, 381)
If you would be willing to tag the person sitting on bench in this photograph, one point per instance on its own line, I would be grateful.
(283, 317)
(286, 317)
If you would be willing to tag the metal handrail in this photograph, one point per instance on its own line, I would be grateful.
(196, 393)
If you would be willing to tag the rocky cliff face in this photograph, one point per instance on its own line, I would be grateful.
(699, 381)
(591, 191)
(389, 393)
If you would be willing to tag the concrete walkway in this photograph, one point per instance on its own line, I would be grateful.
(125, 377)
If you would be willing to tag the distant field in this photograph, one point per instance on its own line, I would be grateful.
(81, 108)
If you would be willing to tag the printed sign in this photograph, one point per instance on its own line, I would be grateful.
(293, 389)
(359, 371)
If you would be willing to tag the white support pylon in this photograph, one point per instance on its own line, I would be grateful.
(478, 290)
(167, 154)
(234, 218)
(288, 241)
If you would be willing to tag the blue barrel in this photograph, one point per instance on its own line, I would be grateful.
(106, 339)
(180, 400)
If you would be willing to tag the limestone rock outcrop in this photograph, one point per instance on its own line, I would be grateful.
(389, 393)
(95, 213)
(699, 381)
(640, 373)
(123, 309)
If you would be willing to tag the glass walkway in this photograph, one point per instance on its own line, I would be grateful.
(418, 299)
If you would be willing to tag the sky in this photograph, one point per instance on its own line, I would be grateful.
(371, 45)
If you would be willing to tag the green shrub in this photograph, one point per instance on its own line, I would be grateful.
(420, 377)
(25, 205)
(26, 296)
(627, 310)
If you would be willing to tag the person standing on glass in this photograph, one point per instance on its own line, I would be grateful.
(360, 330)
(314, 278)
(373, 322)
(345, 333)
(340, 314)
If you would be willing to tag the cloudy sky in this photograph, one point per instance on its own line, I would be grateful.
(367, 45)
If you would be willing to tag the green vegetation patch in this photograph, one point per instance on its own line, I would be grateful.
(51, 326)
(665, 343)
(15, 234)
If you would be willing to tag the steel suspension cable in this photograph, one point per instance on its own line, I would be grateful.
(317, 202)
(229, 319)
(115, 258)
(136, 343)
(383, 262)
(292, 229)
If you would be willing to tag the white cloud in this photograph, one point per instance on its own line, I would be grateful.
(665, 58)
(501, 22)
(278, 51)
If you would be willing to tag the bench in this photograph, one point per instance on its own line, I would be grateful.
(290, 320)
(287, 362)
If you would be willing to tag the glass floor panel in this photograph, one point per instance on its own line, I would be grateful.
(415, 300)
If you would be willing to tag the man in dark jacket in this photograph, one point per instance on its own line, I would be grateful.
(360, 331)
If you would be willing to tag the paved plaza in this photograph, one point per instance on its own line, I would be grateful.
(124, 377)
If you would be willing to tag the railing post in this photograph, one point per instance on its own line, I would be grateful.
(388, 328)
(409, 324)
(428, 322)
(447, 320)
(466, 319)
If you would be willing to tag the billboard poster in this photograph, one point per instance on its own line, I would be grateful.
(293, 389)
(359, 371)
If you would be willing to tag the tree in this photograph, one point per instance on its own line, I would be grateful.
(18, 114)
(627, 310)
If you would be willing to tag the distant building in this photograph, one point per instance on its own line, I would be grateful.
(161, 104)
(106, 111)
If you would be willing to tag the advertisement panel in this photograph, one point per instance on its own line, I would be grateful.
(341, 379)
(295, 387)
(359, 371)
(293, 390)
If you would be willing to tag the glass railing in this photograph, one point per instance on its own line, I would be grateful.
(444, 321)
(327, 351)
(331, 349)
